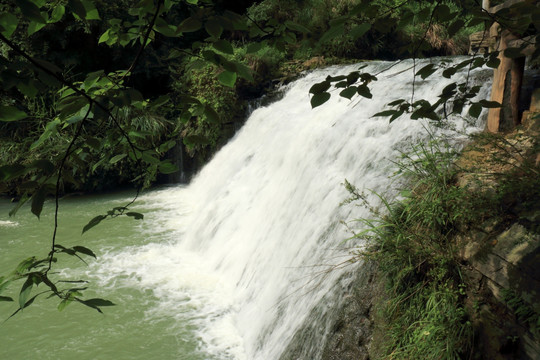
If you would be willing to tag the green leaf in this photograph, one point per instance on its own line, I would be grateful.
(11, 113)
(513, 53)
(162, 100)
(9, 23)
(24, 198)
(84, 250)
(363, 90)
(224, 46)
(396, 102)
(424, 14)
(319, 99)
(96, 303)
(244, 72)
(25, 265)
(442, 13)
(77, 8)
(289, 37)
(490, 104)
(476, 20)
(34, 27)
(348, 92)
(493, 62)
(475, 110)
(193, 2)
(335, 78)
(25, 291)
(455, 27)
(149, 158)
(29, 302)
(211, 115)
(5, 298)
(448, 73)
(211, 56)
(166, 167)
(57, 13)
(166, 30)
(189, 25)
(64, 303)
(104, 37)
(93, 223)
(386, 113)
(333, 32)
(65, 250)
(70, 106)
(45, 165)
(320, 87)
(91, 11)
(353, 77)
(4, 284)
(136, 215)
(448, 91)
(31, 11)
(227, 78)
(360, 8)
(117, 158)
(28, 89)
(231, 66)
(340, 20)
(38, 198)
(167, 146)
(360, 30)
(213, 28)
(296, 27)
(8, 172)
(50, 130)
(426, 71)
(80, 115)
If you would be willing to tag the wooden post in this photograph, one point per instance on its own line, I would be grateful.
(506, 89)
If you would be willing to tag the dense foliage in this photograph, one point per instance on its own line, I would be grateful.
(94, 95)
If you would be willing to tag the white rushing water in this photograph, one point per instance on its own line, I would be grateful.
(247, 243)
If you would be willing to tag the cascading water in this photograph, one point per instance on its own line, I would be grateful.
(250, 243)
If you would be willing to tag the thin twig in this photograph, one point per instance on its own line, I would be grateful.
(58, 180)
(145, 39)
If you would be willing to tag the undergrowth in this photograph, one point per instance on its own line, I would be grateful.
(413, 240)
(424, 316)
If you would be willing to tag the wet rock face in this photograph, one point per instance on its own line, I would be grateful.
(347, 332)
(352, 331)
(351, 336)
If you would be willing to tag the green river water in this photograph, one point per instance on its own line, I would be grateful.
(129, 330)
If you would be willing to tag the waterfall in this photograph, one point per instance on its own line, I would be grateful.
(252, 245)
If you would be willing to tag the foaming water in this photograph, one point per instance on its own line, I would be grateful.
(8, 223)
(243, 253)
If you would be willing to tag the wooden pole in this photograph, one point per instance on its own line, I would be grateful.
(506, 89)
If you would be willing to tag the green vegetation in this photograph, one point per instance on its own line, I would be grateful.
(94, 96)
(412, 243)
(524, 312)
(416, 239)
